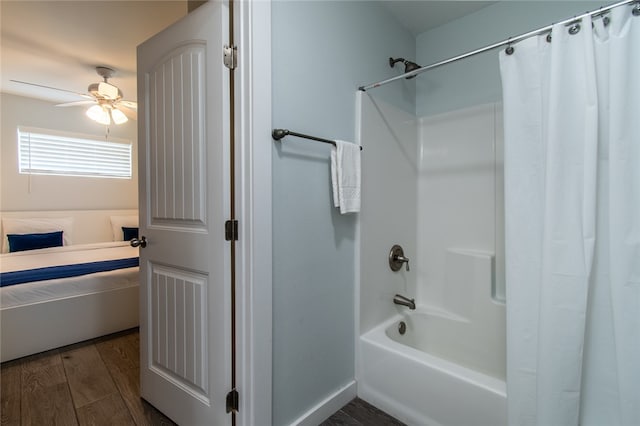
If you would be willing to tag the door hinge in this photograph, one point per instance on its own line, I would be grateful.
(230, 56)
(231, 230)
(233, 401)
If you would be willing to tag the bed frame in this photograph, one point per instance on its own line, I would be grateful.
(47, 325)
(37, 327)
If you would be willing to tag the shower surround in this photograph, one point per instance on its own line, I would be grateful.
(432, 185)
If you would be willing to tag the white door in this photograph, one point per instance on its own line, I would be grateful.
(185, 324)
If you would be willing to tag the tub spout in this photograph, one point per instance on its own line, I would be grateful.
(404, 301)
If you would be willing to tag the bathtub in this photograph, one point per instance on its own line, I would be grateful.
(434, 374)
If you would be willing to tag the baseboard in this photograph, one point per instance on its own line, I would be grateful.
(328, 406)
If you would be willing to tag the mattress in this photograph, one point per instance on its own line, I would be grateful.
(53, 289)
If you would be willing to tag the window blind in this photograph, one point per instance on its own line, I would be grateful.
(54, 153)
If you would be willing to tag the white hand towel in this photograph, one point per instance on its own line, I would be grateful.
(345, 176)
(334, 176)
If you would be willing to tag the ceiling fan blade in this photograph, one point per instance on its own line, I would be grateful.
(131, 114)
(84, 95)
(128, 104)
(76, 103)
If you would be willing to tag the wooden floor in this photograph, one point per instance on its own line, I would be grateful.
(97, 383)
(90, 383)
(361, 413)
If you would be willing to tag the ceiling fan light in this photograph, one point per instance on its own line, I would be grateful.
(99, 114)
(118, 116)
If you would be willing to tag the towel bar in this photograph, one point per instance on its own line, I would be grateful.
(278, 134)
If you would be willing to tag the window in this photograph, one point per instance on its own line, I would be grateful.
(47, 152)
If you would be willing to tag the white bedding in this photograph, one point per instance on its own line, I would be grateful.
(39, 291)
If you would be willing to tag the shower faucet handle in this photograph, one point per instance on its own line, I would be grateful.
(404, 260)
(397, 258)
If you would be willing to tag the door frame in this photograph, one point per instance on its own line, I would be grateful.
(252, 22)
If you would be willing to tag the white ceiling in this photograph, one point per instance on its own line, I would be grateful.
(59, 43)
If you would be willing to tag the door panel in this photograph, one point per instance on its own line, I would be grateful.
(185, 325)
(177, 110)
(179, 352)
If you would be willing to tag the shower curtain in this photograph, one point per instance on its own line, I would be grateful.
(572, 224)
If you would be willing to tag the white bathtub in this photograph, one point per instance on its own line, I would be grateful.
(434, 374)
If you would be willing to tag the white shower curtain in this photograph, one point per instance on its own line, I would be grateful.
(572, 208)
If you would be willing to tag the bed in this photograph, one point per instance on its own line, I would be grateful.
(52, 297)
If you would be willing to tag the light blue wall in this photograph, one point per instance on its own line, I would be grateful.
(476, 80)
(321, 52)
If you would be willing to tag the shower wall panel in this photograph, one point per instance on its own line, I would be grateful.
(389, 190)
(460, 217)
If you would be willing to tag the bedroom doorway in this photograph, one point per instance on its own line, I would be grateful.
(185, 177)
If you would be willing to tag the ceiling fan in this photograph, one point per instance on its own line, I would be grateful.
(105, 98)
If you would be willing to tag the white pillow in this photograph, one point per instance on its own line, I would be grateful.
(117, 222)
(37, 225)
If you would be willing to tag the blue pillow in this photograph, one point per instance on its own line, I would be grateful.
(22, 242)
(129, 233)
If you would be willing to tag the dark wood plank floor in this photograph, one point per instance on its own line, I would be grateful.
(361, 413)
(89, 383)
(97, 383)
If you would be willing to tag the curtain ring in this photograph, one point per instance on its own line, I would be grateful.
(574, 29)
(509, 50)
(548, 38)
(636, 10)
(605, 17)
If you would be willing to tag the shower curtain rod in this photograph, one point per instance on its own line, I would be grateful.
(278, 134)
(506, 42)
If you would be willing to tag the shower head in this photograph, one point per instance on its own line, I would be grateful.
(408, 65)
